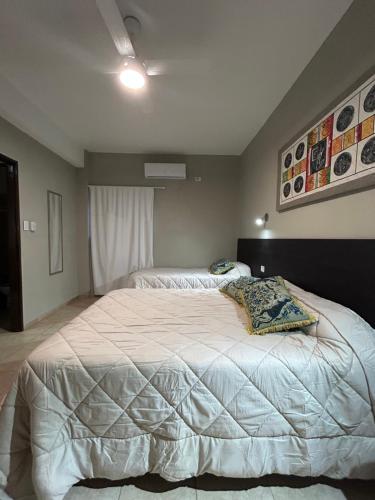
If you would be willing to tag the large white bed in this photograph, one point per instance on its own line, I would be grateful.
(181, 277)
(170, 382)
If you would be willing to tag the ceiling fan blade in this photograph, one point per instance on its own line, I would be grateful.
(178, 67)
(113, 19)
(156, 68)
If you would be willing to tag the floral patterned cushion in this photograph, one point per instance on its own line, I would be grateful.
(271, 308)
(221, 266)
(234, 288)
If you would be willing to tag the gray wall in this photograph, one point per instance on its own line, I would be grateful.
(40, 170)
(344, 57)
(194, 222)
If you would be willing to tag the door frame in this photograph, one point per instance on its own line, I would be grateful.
(15, 275)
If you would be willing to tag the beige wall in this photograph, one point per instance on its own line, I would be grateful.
(39, 171)
(194, 222)
(345, 56)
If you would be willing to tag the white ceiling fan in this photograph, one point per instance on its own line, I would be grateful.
(136, 69)
(124, 32)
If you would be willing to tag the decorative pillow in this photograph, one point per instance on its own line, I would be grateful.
(271, 308)
(233, 288)
(221, 266)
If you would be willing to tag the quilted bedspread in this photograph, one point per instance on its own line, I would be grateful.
(170, 382)
(179, 277)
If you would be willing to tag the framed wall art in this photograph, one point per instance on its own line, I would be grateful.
(333, 157)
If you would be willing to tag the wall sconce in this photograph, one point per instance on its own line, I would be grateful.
(261, 221)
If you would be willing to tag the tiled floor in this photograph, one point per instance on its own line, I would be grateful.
(315, 492)
(14, 348)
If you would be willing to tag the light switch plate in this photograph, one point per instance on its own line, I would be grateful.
(26, 225)
(32, 226)
(262, 269)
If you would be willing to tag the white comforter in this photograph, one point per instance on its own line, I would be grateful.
(180, 277)
(169, 382)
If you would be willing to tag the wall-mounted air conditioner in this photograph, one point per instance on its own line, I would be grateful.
(165, 171)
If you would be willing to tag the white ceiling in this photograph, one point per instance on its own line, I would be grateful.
(230, 62)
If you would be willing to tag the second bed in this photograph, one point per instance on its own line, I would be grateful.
(180, 277)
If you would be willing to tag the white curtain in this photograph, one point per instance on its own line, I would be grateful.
(121, 227)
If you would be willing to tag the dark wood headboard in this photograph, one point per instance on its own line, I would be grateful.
(338, 270)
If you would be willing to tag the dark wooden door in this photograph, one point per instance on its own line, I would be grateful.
(11, 316)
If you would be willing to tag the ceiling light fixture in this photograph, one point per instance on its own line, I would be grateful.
(133, 75)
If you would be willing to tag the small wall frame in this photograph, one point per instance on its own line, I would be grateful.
(335, 154)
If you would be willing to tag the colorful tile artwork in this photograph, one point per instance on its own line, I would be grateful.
(339, 149)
